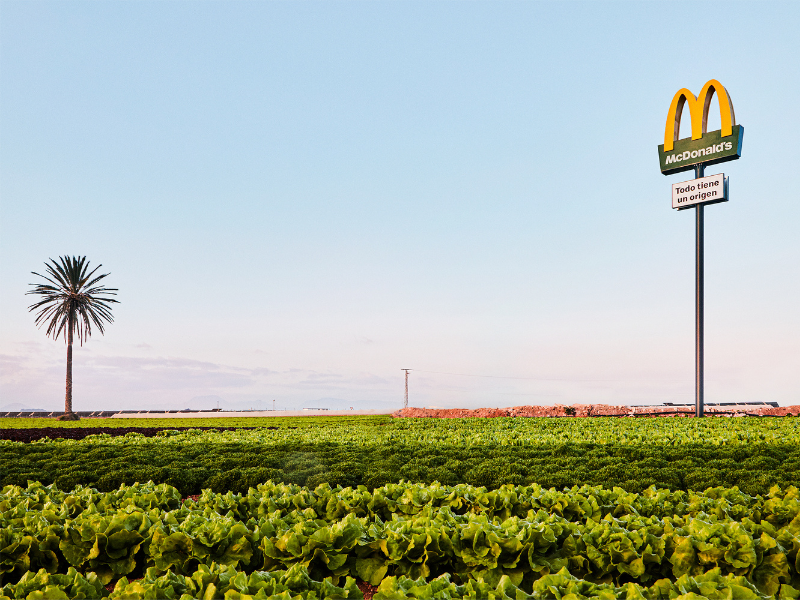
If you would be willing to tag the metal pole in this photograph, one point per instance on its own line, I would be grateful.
(405, 401)
(699, 171)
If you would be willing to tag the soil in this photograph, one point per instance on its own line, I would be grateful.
(78, 433)
(368, 590)
(598, 410)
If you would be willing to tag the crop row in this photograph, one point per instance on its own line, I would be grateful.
(480, 432)
(225, 464)
(516, 534)
(110, 424)
(295, 584)
(331, 503)
(206, 582)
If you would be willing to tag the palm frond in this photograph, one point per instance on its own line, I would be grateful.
(70, 299)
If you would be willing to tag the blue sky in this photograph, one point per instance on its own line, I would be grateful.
(297, 200)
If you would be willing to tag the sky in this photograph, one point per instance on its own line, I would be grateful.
(296, 200)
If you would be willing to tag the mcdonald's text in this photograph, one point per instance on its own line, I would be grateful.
(711, 149)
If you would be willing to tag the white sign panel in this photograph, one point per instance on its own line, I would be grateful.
(705, 190)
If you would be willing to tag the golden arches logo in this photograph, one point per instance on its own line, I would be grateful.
(698, 111)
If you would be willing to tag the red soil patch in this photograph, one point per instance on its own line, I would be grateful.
(598, 410)
(368, 590)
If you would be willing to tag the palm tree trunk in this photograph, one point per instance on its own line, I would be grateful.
(68, 399)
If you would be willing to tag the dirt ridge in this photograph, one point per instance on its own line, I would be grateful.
(597, 410)
(31, 434)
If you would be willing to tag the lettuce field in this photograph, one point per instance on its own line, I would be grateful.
(403, 508)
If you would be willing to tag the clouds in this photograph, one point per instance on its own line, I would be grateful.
(30, 377)
(35, 376)
(338, 381)
(11, 366)
(167, 373)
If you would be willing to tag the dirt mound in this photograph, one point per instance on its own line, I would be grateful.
(598, 410)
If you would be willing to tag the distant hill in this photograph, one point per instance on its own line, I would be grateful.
(19, 407)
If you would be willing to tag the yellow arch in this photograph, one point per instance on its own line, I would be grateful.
(698, 111)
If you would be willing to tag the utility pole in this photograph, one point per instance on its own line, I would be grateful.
(405, 401)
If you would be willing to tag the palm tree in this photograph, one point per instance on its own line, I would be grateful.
(70, 302)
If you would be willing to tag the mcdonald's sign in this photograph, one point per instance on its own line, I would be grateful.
(706, 147)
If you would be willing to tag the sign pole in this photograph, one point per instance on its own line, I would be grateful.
(699, 171)
(702, 148)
